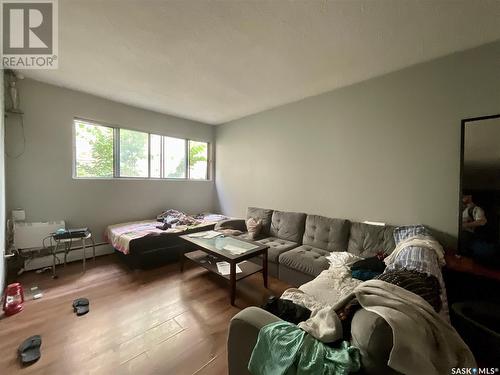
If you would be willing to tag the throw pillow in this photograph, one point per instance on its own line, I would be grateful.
(254, 227)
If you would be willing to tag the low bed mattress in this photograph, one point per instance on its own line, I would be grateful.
(137, 237)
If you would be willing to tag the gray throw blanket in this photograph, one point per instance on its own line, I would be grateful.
(423, 342)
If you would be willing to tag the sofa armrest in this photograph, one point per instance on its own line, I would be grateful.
(372, 335)
(238, 224)
(243, 331)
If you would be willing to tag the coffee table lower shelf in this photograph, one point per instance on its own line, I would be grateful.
(209, 262)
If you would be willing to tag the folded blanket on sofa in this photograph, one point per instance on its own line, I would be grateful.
(417, 241)
(282, 348)
(423, 342)
(326, 289)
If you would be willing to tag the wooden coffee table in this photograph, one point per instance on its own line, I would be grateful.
(230, 249)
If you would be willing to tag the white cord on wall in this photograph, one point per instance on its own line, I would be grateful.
(24, 136)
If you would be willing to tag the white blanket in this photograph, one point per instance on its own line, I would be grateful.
(331, 285)
(423, 342)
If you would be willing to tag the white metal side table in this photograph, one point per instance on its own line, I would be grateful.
(66, 244)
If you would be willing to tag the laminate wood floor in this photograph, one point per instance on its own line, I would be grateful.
(140, 321)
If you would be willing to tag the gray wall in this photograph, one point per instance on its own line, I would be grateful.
(386, 149)
(2, 188)
(40, 180)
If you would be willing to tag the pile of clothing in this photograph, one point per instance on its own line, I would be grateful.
(405, 288)
(171, 217)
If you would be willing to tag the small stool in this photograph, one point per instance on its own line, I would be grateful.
(67, 243)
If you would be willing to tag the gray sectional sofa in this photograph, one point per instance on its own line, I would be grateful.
(299, 243)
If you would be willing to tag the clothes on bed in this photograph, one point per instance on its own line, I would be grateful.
(424, 343)
(282, 349)
(177, 217)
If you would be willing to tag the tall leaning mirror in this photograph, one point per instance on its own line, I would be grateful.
(479, 216)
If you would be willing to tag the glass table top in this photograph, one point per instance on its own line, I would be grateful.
(225, 245)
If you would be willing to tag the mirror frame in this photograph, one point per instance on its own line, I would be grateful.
(461, 178)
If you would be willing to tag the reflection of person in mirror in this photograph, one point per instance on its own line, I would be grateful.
(472, 218)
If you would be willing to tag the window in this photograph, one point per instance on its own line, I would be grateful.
(110, 152)
(93, 150)
(155, 155)
(175, 157)
(198, 160)
(133, 154)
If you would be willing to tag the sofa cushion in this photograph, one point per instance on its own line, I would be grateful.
(306, 259)
(254, 227)
(262, 214)
(276, 247)
(288, 225)
(367, 240)
(326, 233)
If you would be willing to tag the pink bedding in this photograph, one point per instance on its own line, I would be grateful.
(120, 235)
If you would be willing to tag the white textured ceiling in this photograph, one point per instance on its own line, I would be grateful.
(216, 61)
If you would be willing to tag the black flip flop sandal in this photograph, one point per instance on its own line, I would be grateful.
(29, 350)
(81, 306)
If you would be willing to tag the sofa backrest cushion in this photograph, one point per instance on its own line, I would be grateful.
(262, 214)
(326, 233)
(288, 225)
(366, 240)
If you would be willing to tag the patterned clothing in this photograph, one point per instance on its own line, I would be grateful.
(416, 282)
(414, 258)
(177, 217)
(406, 231)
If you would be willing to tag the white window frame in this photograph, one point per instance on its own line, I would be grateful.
(116, 155)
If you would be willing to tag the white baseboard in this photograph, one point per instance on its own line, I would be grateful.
(75, 255)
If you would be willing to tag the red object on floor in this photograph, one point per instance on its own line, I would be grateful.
(13, 299)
